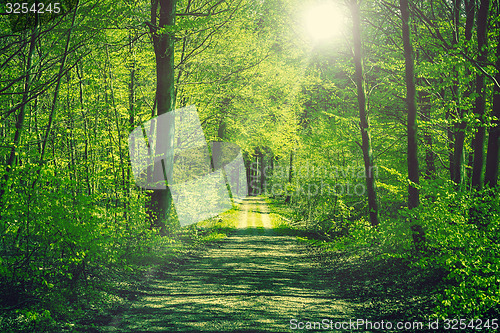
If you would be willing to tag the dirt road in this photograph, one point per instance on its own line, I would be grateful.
(257, 281)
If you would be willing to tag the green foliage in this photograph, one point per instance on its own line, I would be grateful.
(466, 252)
(28, 321)
(469, 252)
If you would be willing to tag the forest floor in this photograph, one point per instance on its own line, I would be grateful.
(259, 280)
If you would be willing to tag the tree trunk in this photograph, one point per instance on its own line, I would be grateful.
(79, 74)
(458, 154)
(131, 120)
(430, 156)
(491, 174)
(290, 176)
(412, 154)
(158, 207)
(11, 160)
(363, 118)
(56, 95)
(262, 173)
(456, 91)
(478, 142)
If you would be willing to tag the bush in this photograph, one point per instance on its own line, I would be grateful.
(28, 321)
(467, 248)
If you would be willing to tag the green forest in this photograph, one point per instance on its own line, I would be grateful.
(368, 130)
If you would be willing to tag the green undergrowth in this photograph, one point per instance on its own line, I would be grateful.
(381, 287)
(454, 274)
(284, 223)
(93, 300)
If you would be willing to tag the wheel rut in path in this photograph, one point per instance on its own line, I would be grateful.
(256, 281)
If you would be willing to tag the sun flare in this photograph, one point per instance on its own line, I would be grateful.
(324, 21)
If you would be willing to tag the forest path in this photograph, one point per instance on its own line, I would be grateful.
(256, 281)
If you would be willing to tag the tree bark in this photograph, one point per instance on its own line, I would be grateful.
(160, 200)
(457, 174)
(412, 153)
(290, 176)
(79, 74)
(478, 142)
(363, 118)
(456, 91)
(262, 172)
(430, 156)
(491, 174)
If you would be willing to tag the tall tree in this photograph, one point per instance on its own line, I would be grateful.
(491, 173)
(460, 127)
(412, 147)
(478, 142)
(363, 117)
(162, 18)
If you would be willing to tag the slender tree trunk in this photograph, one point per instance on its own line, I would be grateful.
(271, 164)
(456, 91)
(20, 117)
(131, 86)
(430, 156)
(262, 173)
(470, 162)
(363, 118)
(248, 166)
(160, 200)
(458, 173)
(72, 154)
(451, 142)
(412, 153)
(255, 175)
(79, 74)
(131, 120)
(478, 142)
(119, 136)
(452, 129)
(290, 175)
(476, 214)
(56, 95)
(491, 174)
(217, 147)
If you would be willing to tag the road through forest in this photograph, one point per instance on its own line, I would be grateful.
(256, 281)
